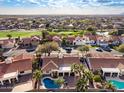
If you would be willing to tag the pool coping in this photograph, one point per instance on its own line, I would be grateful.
(51, 79)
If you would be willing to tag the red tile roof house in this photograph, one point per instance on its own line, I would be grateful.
(70, 39)
(7, 43)
(57, 39)
(116, 40)
(83, 40)
(14, 66)
(62, 64)
(102, 40)
(32, 41)
(110, 65)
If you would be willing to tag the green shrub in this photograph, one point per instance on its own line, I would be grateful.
(121, 48)
(97, 78)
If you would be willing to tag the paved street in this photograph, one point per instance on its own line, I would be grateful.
(113, 52)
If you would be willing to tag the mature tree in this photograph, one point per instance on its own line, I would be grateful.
(84, 49)
(121, 48)
(44, 34)
(9, 36)
(90, 29)
(109, 85)
(47, 47)
(37, 75)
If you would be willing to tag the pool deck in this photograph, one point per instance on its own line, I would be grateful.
(71, 83)
(121, 77)
(116, 78)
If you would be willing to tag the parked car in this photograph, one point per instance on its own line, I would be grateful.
(106, 49)
(68, 49)
(99, 49)
(30, 50)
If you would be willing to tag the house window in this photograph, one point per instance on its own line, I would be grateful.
(26, 44)
(21, 72)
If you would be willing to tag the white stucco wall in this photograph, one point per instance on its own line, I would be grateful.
(26, 72)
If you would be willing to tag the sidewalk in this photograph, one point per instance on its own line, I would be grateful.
(23, 87)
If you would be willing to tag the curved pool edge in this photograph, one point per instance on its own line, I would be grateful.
(51, 79)
(118, 80)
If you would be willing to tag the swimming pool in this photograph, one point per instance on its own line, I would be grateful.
(49, 83)
(117, 84)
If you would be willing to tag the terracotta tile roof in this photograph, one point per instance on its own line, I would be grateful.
(97, 63)
(71, 38)
(56, 38)
(26, 40)
(92, 37)
(17, 64)
(50, 65)
(114, 38)
(7, 41)
(65, 61)
(100, 55)
(23, 56)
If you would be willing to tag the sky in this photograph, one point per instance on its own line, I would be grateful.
(83, 7)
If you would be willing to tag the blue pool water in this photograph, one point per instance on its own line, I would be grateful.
(117, 84)
(48, 83)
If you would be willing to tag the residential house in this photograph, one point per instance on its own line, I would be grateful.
(102, 41)
(110, 65)
(84, 40)
(7, 43)
(57, 39)
(29, 42)
(70, 39)
(61, 64)
(12, 67)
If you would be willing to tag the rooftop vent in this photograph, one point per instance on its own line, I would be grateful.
(8, 60)
(119, 55)
(60, 55)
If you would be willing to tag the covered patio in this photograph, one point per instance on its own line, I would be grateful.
(111, 72)
(9, 76)
(66, 70)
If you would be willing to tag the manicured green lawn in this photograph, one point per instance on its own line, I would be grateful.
(19, 33)
(28, 33)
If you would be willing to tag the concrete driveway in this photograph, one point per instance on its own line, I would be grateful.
(23, 87)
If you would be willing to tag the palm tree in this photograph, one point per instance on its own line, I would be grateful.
(37, 74)
(60, 81)
(108, 85)
(81, 85)
(85, 75)
(77, 68)
(90, 76)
